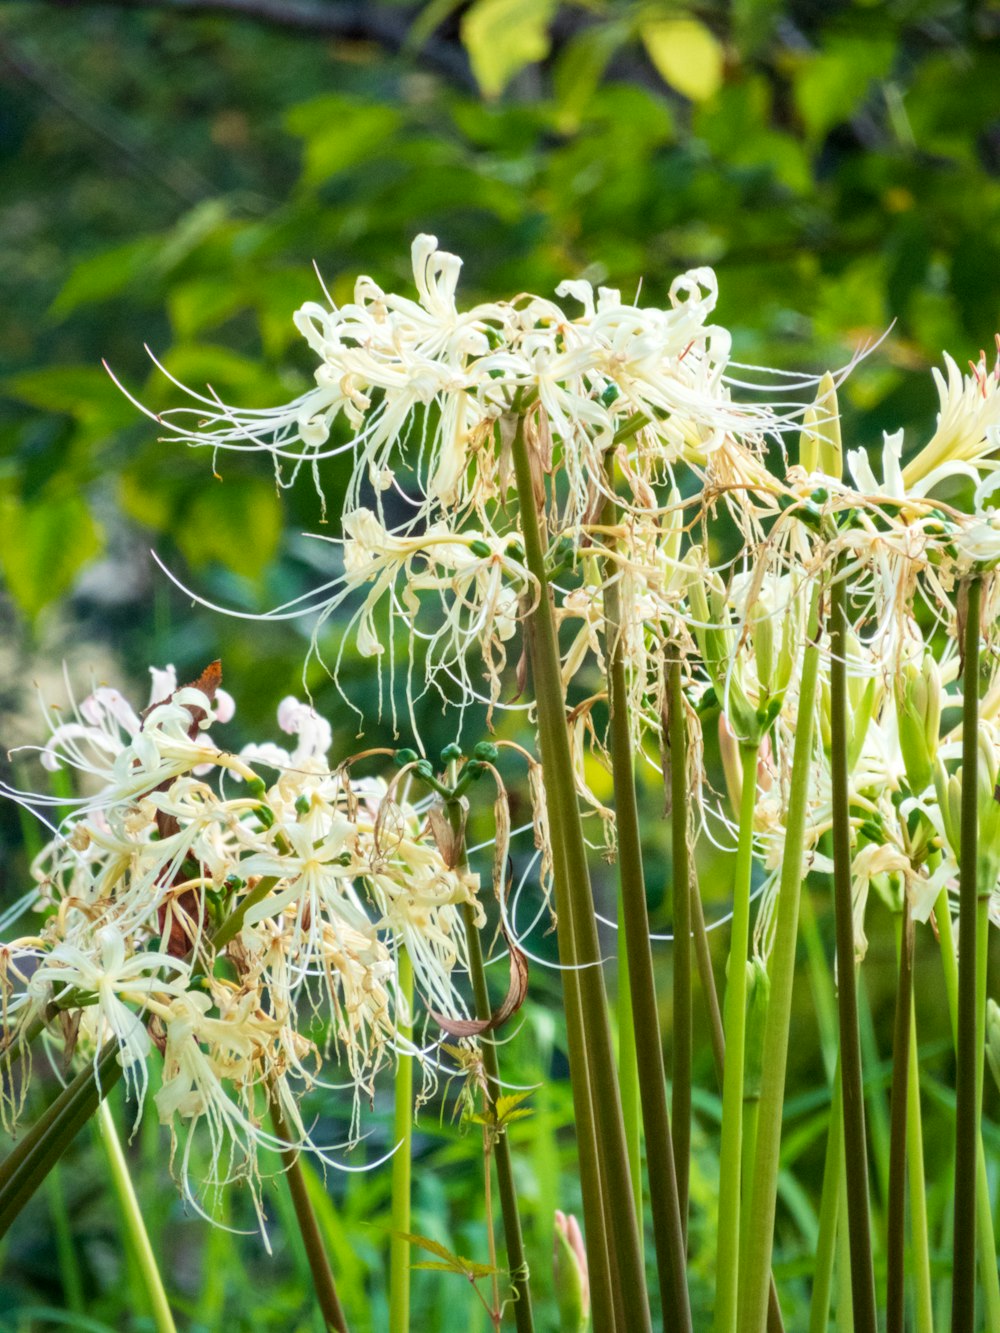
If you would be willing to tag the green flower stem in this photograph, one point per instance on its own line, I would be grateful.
(919, 1230)
(680, 853)
(895, 1304)
(402, 1162)
(516, 1260)
(985, 1242)
(312, 1238)
(574, 905)
(592, 1189)
(628, 1064)
(731, 1152)
(761, 1199)
(668, 1229)
(845, 1286)
(30, 1161)
(855, 1149)
(706, 976)
(829, 1208)
(968, 1050)
(136, 1227)
(69, 1267)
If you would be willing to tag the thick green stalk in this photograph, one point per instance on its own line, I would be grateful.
(919, 1230)
(516, 1260)
(29, 1162)
(730, 1156)
(855, 1147)
(402, 1162)
(628, 1063)
(829, 1208)
(985, 1242)
(718, 1039)
(845, 1286)
(599, 1258)
(895, 1304)
(574, 906)
(319, 1262)
(968, 1052)
(668, 1230)
(761, 1202)
(682, 1026)
(138, 1236)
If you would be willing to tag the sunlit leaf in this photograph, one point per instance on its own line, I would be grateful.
(502, 36)
(44, 545)
(687, 55)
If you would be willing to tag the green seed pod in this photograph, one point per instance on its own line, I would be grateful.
(486, 751)
(480, 549)
(451, 751)
(302, 805)
(404, 757)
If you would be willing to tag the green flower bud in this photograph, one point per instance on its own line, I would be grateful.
(827, 428)
(572, 1283)
(302, 805)
(808, 441)
(758, 994)
(918, 712)
(993, 1037)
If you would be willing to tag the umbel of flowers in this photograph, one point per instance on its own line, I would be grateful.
(191, 908)
(542, 498)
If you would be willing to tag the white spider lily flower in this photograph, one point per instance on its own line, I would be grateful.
(117, 981)
(315, 736)
(967, 421)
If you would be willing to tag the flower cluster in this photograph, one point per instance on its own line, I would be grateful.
(246, 931)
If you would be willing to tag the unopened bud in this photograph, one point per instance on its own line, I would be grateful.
(993, 1037)
(918, 710)
(827, 428)
(758, 994)
(572, 1282)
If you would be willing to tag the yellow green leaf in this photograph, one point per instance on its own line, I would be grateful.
(502, 36)
(687, 55)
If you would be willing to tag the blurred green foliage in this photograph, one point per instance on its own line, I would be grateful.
(169, 178)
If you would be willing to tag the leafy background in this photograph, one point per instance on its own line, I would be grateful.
(170, 175)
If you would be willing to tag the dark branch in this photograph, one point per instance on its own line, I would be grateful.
(385, 26)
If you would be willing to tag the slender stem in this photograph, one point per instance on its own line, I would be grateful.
(680, 854)
(138, 1236)
(919, 1231)
(895, 1304)
(718, 1038)
(402, 1162)
(968, 1052)
(730, 1156)
(516, 1259)
(628, 1064)
(845, 1286)
(312, 1239)
(69, 1267)
(829, 1208)
(762, 1198)
(988, 1275)
(574, 905)
(668, 1229)
(855, 1148)
(30, 1161)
